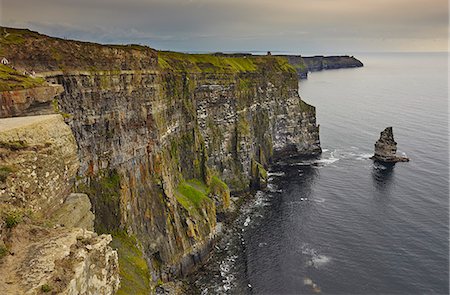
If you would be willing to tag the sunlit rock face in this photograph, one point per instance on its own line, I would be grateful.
(164, 138)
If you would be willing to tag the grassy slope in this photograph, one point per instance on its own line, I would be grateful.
(11, 79)
(210, 63)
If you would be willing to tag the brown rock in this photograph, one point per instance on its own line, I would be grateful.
(386, 148)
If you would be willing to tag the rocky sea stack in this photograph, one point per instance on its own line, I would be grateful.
(386, 148)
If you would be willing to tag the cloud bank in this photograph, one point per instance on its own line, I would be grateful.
(320, 26)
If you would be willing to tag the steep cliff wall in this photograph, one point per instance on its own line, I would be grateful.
(305, 64)
(164, 137)
(318, 63)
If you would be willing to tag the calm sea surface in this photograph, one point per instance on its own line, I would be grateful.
(340, 224)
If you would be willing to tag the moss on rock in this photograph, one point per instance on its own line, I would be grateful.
(134, 273)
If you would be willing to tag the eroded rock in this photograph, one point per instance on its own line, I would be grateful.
(63, 261)
(386, 148)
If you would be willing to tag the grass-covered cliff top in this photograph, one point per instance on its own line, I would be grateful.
(31, 51)
(11, 79)
(214, 63)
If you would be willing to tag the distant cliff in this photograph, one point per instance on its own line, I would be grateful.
(318, 63)
(304, 64)
(163, 138)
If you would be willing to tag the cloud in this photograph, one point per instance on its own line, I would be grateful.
(291, 25)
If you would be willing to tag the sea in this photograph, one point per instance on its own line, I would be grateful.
(342, 224)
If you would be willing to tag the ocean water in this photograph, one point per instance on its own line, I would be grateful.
(341, 224)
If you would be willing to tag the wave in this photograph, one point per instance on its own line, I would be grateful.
(364, 156)
(313, 257)
(277, 173)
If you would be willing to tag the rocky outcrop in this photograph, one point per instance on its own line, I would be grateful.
(163, 138)
(45, 238)
(31, 101)
(386, 148)
(59, 261)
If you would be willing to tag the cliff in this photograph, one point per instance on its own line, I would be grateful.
(163, 139)
(304, 64)
(46, 238)
(318, 63)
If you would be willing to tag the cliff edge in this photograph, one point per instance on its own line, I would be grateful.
(163, 139)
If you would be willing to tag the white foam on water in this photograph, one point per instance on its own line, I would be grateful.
(273, 188)
(247, 221)
(314, 259)
(364, 156)
(278, 173)
(319, 260)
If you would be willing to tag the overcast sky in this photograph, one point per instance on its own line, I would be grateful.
(297, 26)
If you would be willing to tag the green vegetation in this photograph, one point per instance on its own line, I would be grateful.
(221, 189)
(204, 62)
(304, 107)
(57, 110)
(259, 173)
(210, 63)
(262, 172)
(3, 251)
(301, 66)
(4, 172)
(12, 218)
(46, 288)
(134, 273)
(191, 194)
(13, 145)
(11, 37)
(11, 79)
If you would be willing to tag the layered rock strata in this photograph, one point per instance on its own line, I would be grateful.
(386, 148)
(164, 138)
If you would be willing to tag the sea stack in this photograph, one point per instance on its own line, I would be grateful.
(386, 148)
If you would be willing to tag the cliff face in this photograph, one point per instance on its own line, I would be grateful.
(318, 63)
(46, 238)
(304, 64)
(164, 138)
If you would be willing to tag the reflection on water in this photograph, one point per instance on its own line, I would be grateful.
(383, 175)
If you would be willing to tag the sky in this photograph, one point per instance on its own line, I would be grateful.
(291, 26)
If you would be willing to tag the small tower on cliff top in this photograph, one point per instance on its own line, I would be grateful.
(269, 53)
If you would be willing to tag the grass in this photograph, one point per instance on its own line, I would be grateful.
(12, 219)
(46, 288)
(11, 37)
(13, 145)
(11, 79)
(192, 194)
(3, 251)
(220, 188)
(210, 63)
(4, 172)
(134, 272)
